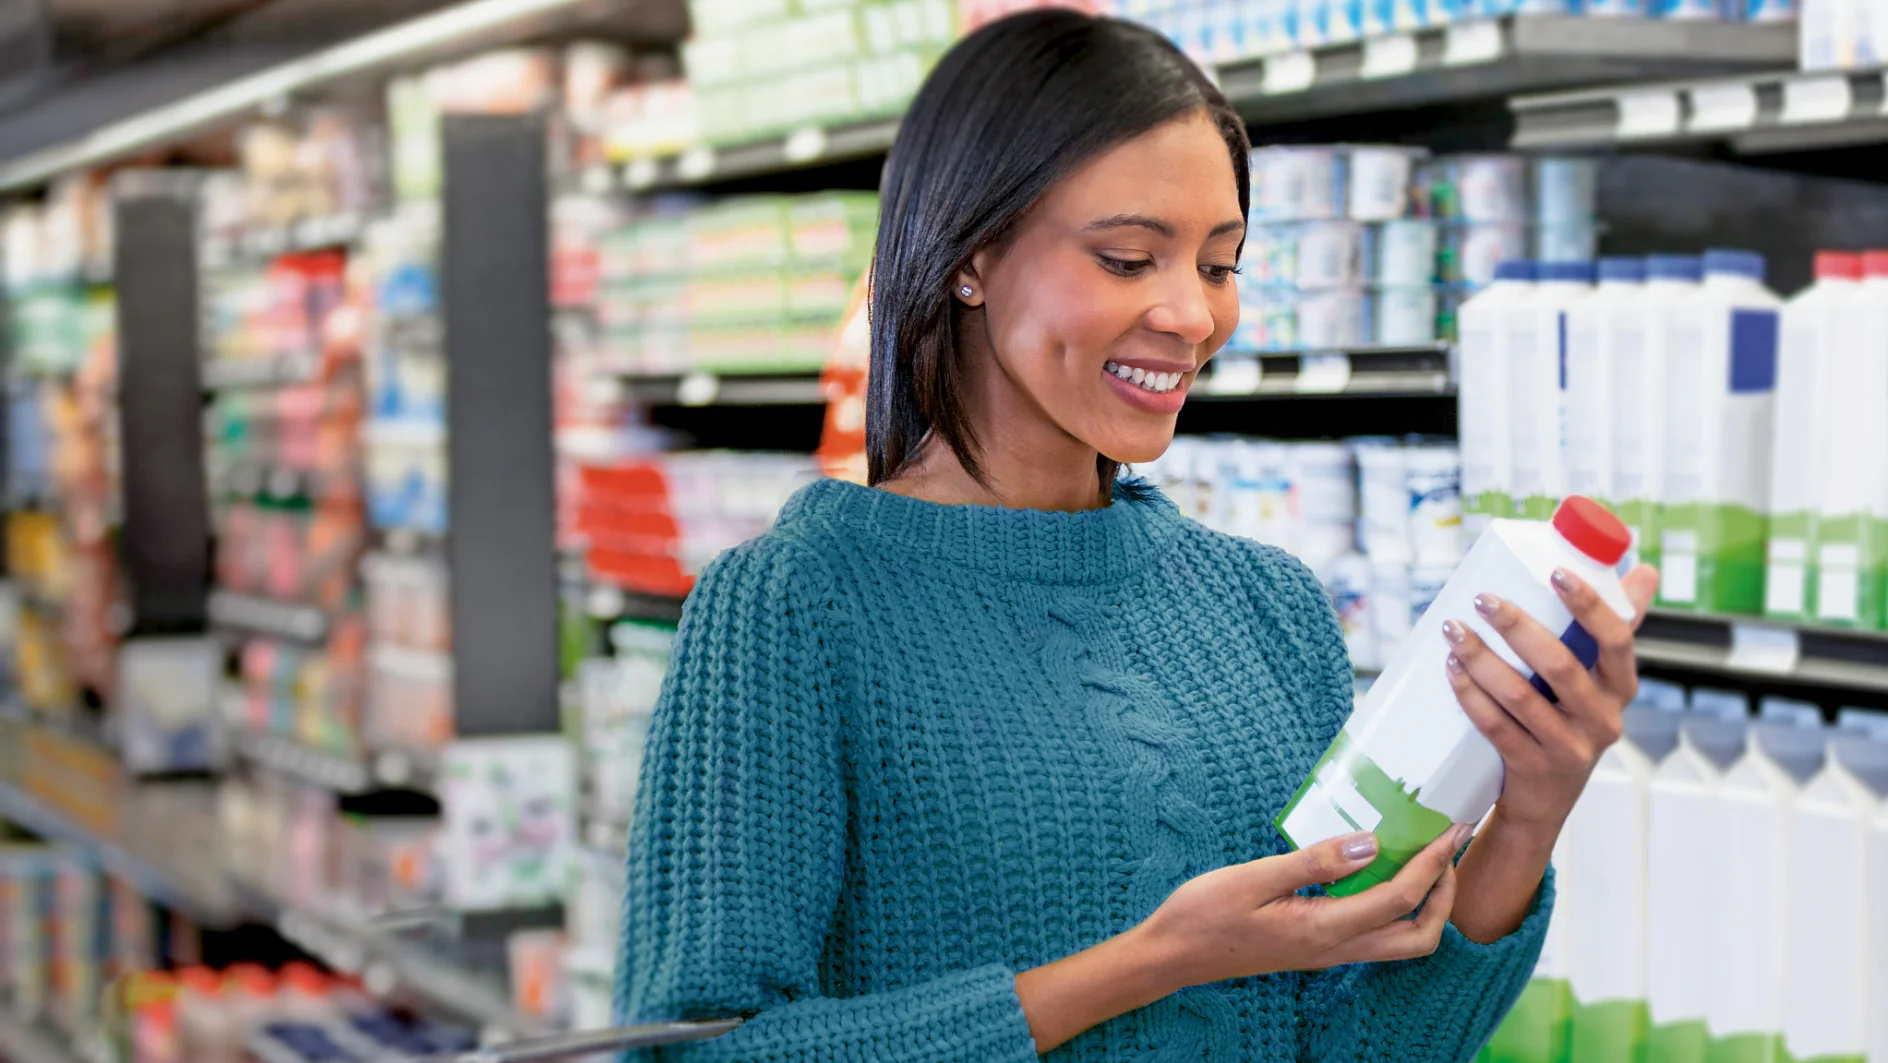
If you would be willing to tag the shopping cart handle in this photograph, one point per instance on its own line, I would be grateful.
(589, 1042)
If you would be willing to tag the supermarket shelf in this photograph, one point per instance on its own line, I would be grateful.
(1782, 111)
(266, 616)
(23, 1040)
(734, 389)
(389, 966)
(264, 242)
(1492, 59)
(383, 770)
(1750, 646)
(813, 145)
(211, 906)
(222, 373)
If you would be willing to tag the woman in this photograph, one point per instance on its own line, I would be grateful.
(979, 762)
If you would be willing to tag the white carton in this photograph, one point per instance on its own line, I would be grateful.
(1750, 895)
(1482, 392)
(1603, 330)
(1537, 361)
(1639, 402)
(1852, 455)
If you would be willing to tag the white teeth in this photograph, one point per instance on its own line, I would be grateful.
(1158, 383)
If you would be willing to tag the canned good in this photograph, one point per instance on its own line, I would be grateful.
(1479, 188)
(1401, 254)
(1332, 318)
(1469, 253)
(1316, 254)
(1405, 317)
(1566, 191)
(1571, 242)
(1297, 184)
(1380, 180)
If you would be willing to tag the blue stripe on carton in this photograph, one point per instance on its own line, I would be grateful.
(1753, 351)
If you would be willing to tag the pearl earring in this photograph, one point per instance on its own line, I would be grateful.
(964, 291)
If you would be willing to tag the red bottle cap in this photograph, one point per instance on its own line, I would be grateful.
(1875, 263)
(1838, 264)
(1592, 529)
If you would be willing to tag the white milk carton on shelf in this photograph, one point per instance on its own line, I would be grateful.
(1409, 762)
(1604, 329)
(1750, 899)
(1537, 363)
(1813, 323)
(1639, 401)
(1603, 886)
(1829, 33)
(1825, 975)
(1851, 460)
(1536, 1026)
(1680, 928)
(1482, 396)
(1720, 368)
(1876, 933)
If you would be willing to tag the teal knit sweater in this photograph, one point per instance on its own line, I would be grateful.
(907, 750)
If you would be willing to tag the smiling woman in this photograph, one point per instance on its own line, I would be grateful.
(979, 762)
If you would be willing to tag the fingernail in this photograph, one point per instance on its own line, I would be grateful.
(1454, 664)
(1459, 835)
(1566, 581)
(1360, 847)
(1454, 632)
(1486, 604)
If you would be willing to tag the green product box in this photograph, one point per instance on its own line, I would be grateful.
(1712, 557)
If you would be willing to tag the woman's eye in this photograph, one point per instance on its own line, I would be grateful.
(1125, 267)
(1219, 274)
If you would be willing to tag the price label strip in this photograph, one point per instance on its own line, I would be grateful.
(1293, 72)
(1647, 114)
(1388, 57)
(1808, 101)
(1322, 374)
(1764, 649)
(1467, 43)
(1722, 108)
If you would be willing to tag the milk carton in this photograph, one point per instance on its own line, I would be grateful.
(1825, 976)
(1720, 370)
(1813, 324)
(1482, 395)
(1410, 762)
(1850, 467)
(1681, 927)
(1639, 401)
(1537, 361)
(1749, 898)
(1603, 883)
(1535, 1029)
(1602, 329)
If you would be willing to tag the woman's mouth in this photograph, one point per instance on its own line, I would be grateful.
(1153, 383)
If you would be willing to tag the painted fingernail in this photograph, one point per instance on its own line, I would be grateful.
(1360, 847)
(1459, 835)
(1454, 631)
(1454, 664)
(1487, 604)
(1566, 581)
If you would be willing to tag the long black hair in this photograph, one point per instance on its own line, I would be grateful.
(1009, 111)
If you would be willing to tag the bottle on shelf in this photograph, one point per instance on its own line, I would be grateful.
(1483, 394)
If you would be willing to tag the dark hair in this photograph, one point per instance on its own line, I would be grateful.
(1008, 112)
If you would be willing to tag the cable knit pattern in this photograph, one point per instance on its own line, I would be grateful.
(907, 750)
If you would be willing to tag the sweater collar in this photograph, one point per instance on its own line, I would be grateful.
(1031, 545)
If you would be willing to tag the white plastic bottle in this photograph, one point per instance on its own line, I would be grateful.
(1851, 460)
(1750, 899)
(1682, 809)
(1482, 397)
(1600, 329)
(1812, 325)
(1639, 401)
(1409, 763)
(1720, 367)
(1825, 977)
(1602, 885)
(1536, 386)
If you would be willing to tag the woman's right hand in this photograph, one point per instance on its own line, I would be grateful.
(1248, 919)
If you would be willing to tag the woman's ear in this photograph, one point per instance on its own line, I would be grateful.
(968, 287)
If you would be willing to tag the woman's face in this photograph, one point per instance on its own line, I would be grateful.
(1116, 288)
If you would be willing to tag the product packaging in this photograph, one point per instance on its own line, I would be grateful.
(1603, 330)
(1749, 899)
(1537, 340)
(1682, 930)
(1639, 428)
(1850, 466)
(1826, 977)
(1410, 762)
(1483, 397)
(1720, 360)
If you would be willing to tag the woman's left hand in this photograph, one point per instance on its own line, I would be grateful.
(1549, 749)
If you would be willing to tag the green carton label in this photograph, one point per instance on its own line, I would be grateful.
(1347, 792)
(1537, 1030)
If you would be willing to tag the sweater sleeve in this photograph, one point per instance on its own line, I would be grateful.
(738, 845)
(1438, 1009)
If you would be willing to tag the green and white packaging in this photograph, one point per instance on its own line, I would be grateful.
(1826, 972)
(1680, 870)
(1605, 329)
(1603, 883)
(1482, 396)
(1812, 325)
(1750, 883)
(1536, 1029)
(1409, 762)
(1720, 362)
(1639, 402)
(1537, 360)
(1852, 463)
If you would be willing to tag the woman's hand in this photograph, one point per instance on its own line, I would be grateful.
(1248, 920)
(1549, 749)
